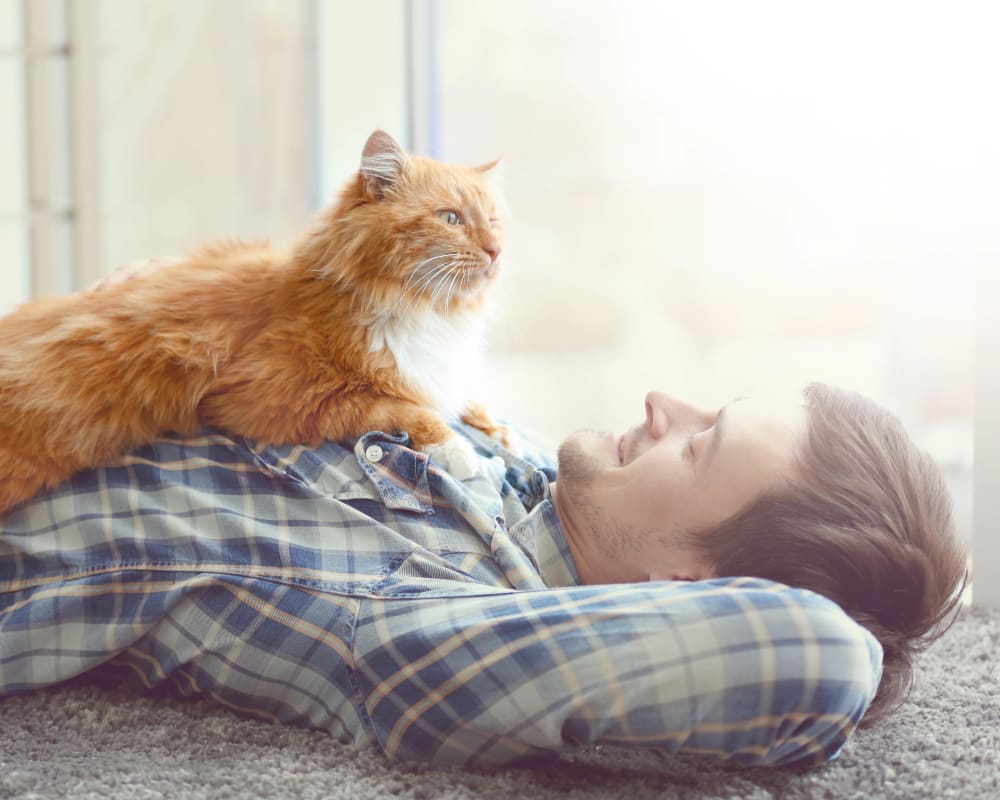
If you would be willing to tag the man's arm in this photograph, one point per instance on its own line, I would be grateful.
(740, 670)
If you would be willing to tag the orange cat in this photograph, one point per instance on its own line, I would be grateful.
(367, 324)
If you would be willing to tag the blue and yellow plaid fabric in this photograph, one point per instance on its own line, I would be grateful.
(365, 592)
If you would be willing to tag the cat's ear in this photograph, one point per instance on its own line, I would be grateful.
(493, 174)
(382, 164)
(495, 167)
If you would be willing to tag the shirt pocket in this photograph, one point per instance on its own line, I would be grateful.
(379, 467)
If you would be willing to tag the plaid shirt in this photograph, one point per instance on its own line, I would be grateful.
(367, 593)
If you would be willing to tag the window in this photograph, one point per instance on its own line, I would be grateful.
(14, 212)
(731, 198)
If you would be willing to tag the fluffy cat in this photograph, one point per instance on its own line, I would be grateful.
(366, 324)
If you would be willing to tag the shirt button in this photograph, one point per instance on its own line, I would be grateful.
(374, 453)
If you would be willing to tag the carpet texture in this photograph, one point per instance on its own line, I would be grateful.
(79, 741)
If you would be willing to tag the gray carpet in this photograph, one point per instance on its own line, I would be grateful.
(79, 741)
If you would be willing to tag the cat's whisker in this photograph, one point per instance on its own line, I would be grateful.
(436, 292)
(442, 284)
(419, 273)
(432, 259)
(435, 258)
(406, 303)
(448, 285)
(455, 277)
(440, 278)
(434, 274)
(418, 283)
(432, 287)
(424, 280)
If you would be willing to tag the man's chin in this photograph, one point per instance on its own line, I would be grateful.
(584, 455)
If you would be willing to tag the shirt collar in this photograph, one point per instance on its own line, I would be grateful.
(541, 535)
(555, 561)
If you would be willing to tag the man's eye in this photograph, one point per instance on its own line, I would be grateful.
(450, 217)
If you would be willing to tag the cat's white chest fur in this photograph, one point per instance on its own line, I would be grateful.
(440, 357)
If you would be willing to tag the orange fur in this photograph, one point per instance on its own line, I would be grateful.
(275, 346)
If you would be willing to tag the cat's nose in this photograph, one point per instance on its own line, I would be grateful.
(493, 251)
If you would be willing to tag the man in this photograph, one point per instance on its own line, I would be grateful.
(830, 496)
(360, 589)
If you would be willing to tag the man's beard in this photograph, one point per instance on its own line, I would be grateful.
(579, 472)
(577, 467)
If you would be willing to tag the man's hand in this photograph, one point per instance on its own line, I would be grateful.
(133, 269)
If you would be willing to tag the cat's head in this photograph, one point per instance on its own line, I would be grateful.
(411, 232)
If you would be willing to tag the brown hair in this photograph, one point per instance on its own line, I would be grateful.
(868, 525)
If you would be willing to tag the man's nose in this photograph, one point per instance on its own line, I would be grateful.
(664, 412)
(656, 414)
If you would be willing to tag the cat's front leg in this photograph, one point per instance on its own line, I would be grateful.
(429, 433)
(456, 456)
(478, 417)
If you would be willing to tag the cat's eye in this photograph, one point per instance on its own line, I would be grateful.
(450, 217)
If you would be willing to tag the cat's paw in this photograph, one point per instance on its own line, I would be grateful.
(456, 457)
(510, 439)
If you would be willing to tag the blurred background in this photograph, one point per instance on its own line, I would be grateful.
(712, 198)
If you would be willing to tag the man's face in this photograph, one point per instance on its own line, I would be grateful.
(628, 499)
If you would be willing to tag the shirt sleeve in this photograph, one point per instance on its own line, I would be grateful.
(740, 670)
(277, 652)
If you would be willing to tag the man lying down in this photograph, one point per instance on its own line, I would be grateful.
(746, 583)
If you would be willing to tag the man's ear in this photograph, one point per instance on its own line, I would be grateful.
(382, 164)
(683, 572)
